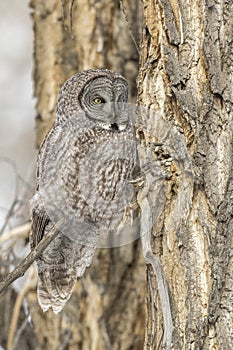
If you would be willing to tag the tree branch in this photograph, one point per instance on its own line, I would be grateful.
(16, 312)
(20, 270)
(16, 233)
(153, 260)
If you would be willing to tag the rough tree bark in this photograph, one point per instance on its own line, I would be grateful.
(107, 309)
(186, 75)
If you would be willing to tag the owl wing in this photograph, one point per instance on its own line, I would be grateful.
(59, 265)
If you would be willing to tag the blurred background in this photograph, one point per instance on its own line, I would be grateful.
(17, 145)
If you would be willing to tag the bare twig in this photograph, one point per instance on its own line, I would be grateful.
(17, 232)
(19, 332)
(19, 184)
(153, 260)
(20, 270)
(152, 333)
(9, 215)
(16, 312)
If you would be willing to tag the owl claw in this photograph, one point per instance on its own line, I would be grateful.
(139, 181)
(128, 216)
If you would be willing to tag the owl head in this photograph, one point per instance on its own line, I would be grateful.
(101, 94)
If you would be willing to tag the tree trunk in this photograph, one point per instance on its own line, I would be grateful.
(186, 76)
(106, 310)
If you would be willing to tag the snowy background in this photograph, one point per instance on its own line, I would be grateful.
(17, 146)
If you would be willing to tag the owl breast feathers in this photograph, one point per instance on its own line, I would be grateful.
(84, 169)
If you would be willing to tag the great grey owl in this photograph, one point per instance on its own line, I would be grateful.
(84, 169)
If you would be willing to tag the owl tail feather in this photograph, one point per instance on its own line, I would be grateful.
(55, 289)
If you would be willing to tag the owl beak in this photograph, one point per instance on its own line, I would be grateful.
(115, 127)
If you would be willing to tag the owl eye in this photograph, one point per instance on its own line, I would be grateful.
(98, 100)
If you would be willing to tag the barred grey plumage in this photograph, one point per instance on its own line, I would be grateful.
(83, 169)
